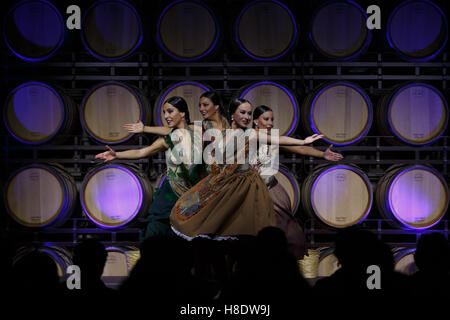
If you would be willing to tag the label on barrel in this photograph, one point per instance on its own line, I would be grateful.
(340, 91)
(341, 219)
(115, 218)
(111, 91)
(340, 135)
(34, 176)
(418, 135)
(110, 175)
(187, 92)
(417, 91)
(418, 177)
(266, 92)
(341, 177)
(113, 134)
(34, 91)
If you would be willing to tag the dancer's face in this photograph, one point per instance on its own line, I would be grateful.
(172, 115)
(265, 121)
(243, 115)
(207, 108)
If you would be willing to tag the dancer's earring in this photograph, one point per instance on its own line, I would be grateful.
(232, 118)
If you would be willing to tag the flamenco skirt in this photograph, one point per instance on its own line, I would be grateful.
(285, 221)
(223, 206)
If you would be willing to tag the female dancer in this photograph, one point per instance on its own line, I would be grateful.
(180, 177)
(263, 119)
(232, 200)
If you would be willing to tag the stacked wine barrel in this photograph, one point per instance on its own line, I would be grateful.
(412, 114)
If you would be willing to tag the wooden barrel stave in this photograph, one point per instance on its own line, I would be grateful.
(34, 30)
(280, 99)
(412, 196)
(40, 195)
(108, 106)
(342, 111)
(114, 195)
(338, 196)
(187, 30)
(111, 29)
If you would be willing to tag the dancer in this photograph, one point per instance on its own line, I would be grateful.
(263, 119)
(180, 177)
(233, 199)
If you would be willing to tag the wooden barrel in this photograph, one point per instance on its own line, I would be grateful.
(417, 30)
(111, 29)
(290, 184)
(59, 255)
(113, 195)
(340, 196)
(328, 262)
(341, 111)
(412, 196)
(415, 113)
(108, 106)
(265, 29)
(119, 263)
(280, 99)
(187, 30)
(34, 30)
(40, 195)
(404, 260)
(338, 29)
(37, 113)
(189, 91)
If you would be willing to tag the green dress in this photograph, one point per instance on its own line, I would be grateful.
(180, 178)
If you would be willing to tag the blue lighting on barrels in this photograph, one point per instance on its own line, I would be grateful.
(34, 30)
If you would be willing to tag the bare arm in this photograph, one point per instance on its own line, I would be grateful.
(157, 146)
(288, 141)
(310, 151)
(139, 127)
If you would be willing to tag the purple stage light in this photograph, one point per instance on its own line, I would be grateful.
(35, 26)
(415, 42)
(117, 201)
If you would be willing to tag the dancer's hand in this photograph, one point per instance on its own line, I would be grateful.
(137, 127)
(107, 155)
(332, 156)
(313, 138)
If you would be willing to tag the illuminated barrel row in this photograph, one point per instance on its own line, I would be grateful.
(119, 262)
(338, 196)
(111, 195)
(415, 113)
(327, 263)
(188, 30)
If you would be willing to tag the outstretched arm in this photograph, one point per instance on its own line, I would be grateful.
(288, 141)
(310, 151)
(157, 146)
(139, 127)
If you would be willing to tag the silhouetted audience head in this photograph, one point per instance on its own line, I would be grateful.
(90, 255)
(35, 274)
(272, 239)
(357, 249)
(432, 253)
